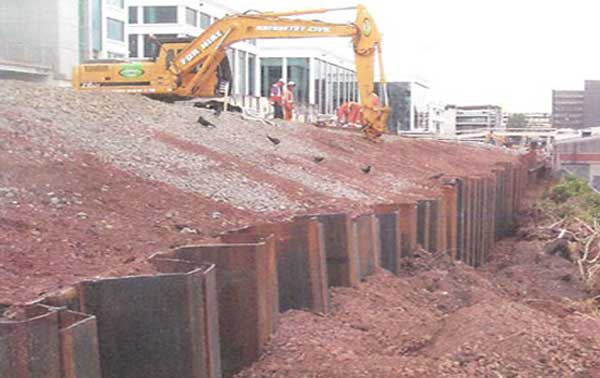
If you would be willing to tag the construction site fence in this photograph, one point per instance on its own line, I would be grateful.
(211, 309)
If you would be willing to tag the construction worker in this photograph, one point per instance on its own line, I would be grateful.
(348, 114)
(374, 99)
(288, 101)
(276, 99)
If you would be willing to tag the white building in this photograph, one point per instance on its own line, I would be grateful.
(189, 18)
(478, 117)
(102, 30)
(42, 40)
(543, 120)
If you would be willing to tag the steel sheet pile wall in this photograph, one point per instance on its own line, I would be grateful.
(212, 309)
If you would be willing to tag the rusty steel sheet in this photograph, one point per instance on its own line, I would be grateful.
(480, 223)
(423, 224)
(407, 219)
(80, 354)
(451, 216)
(460, 219)
(245, 308)
(301, 266)
(468, 233)
(366, 235)
(434, 222)
(155, 326)
(272, 279)
(390, 240)
(30, 348)
(342, 268)
(441, 229)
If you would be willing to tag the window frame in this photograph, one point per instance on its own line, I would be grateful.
(108, 29)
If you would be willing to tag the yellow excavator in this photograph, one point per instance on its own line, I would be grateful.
(199, 67)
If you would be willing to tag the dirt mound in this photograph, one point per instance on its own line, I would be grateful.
(438, 320)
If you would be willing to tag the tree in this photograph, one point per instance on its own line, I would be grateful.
(516, 121)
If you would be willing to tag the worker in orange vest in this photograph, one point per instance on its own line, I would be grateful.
(348, 114)
(288, 101)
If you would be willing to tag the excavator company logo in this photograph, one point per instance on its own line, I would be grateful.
(367, 27)
(294, 28)
(131, 71)
(203, 46)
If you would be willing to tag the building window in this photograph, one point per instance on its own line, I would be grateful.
(191, 17)
(133, 45)
(297, 71)
(133, 15)
(204, 20)
(97, 25)
(252, 74)
(115, 29)
(230, 53)
(116, 3)
(271, 71)
(151, 47)
(242, 69)
(160, 15)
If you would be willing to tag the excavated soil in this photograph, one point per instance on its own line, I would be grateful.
(445, 319)
(525, 314)
(91, 184)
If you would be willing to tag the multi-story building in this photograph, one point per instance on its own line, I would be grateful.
(189, 18)
(530, 119)
(42, 40)
(477, 117)
(567, 109)
(591, 103)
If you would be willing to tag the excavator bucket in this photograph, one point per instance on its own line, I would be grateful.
(374, 121)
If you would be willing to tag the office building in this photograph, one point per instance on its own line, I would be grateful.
(567, 109)
(539, 120)
(591, 103)
(477, 117)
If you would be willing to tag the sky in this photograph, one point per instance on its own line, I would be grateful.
(503, 52)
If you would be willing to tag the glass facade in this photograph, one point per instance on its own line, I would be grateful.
(160, 15)
(231, 57)
(298, 71)
(97, 25)
(191, 17)
(242, 72)
(133, 45)
(150, 46)
(133, 15)
(251, 74)
(204, 20)
(115, 29)
(332, 84)
(270, 71)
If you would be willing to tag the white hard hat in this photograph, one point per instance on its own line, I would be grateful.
(281, 80)
(291, 83)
